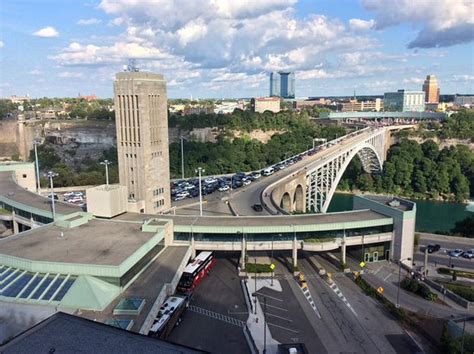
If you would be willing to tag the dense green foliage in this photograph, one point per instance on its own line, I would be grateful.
(243, 154)
(92, 172)
(419, 171)
(418, 288)
(464, 291)
(242, 120)
(458, 126)
(257, 268)
(451, 345)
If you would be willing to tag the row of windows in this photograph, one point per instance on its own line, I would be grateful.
(159, 203)
(25, 214)
(157, 154)
(158, 191)
(222, 237)
(131, 156)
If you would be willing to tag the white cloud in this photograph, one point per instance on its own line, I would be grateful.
(89, 21)
(46, 32)
(1, 44)
(358, 25)
(443, 23)
(414, 80)
(35, 72)
(70, 75)
(464, 77)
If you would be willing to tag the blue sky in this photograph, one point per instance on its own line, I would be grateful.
(226, 48)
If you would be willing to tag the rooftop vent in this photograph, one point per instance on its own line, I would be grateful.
(394, 203)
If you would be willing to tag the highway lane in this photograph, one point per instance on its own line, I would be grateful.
(442, 257)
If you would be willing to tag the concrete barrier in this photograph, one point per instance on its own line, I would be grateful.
(456, 298)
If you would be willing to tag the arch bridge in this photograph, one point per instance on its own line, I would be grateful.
(312, 187)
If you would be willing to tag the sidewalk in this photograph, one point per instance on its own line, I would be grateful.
(256, 322)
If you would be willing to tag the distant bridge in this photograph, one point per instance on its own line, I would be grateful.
(312, 187)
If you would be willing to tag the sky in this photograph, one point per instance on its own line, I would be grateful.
(227, 48)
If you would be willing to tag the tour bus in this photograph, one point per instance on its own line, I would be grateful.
(268, 171)
(196, 271)
(168, 317)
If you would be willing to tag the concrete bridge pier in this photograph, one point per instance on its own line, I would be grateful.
(343, 249)
(295, 253)
(242, 257)
(193, 247)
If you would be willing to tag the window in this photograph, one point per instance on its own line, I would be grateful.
(24, 175)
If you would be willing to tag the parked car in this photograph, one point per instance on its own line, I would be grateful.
(268, 171)
(247, 182)
(456, 253)
(432, 248)
(224, 188)
(468, 254)
(255, 175)
(257, 207)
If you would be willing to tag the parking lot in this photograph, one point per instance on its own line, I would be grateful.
(214, 321)
(452, 251)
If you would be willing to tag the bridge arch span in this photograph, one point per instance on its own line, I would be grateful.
(286, 203)
(371, 162)
(299, 199)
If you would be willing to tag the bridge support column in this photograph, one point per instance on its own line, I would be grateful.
(243, 255)
(193, 247)
(16, 228)
(295, 253)
(343, 249)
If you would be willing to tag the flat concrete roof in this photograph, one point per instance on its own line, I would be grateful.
(404, 205)
(269, 220)
(147, 286)
(12, 191)
(100, 242)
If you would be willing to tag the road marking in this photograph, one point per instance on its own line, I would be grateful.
(278, 308)
(285, 328)
(217, 316)
(385, 279)
(268, 296)
(280, 317)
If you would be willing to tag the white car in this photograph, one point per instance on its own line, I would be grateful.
(247, 182)
(210, 180)
(224, 188)
(456, 253)
(256, 175)
(468, 254)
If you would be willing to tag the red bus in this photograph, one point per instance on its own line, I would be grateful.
(196, 271)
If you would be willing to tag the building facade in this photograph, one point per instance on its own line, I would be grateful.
(431, 89)
(142, 139)
(404, 101)
(262, 104)
(282, 84)
(355, 105)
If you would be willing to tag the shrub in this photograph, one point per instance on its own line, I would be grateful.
(257, 268)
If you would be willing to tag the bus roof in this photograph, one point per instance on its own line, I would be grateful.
(166, 312)
(197, 261)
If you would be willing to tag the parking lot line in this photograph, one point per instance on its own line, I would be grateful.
(278, 308)
(285, 328)
(268, 296)
(280, 317)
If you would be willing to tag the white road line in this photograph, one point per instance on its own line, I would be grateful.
(268, 296)
(280, 317)
(276, 307)
(285, 328)
(385, 279)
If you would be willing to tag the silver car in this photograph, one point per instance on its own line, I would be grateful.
(468, 254)
(456, 253)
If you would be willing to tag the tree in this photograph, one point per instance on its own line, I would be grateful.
(464, 227)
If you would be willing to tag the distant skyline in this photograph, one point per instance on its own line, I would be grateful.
(227, 48)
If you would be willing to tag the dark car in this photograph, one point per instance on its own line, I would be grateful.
(433, 248)
(257, 207)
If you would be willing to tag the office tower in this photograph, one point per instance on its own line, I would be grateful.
(142, 139)
(431, 89)
(404, 101)
(274, 84)
(282, 84)
(287, 84)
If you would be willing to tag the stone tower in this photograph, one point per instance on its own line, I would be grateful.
(141, 117)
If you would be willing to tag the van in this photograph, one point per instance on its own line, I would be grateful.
(268, 171)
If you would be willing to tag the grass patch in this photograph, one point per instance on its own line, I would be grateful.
(5, 212)
(459, 273)
(465, 291)
(257, 268)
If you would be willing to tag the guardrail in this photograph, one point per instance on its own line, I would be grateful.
(456, 298)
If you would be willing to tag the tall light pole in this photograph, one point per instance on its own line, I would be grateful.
(36, 143)
(51, 175)
(106, 163)
(399, 279)
(200, 170)
(182, 156)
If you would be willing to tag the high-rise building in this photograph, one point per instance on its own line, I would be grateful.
(142, 139)
(274, 84)
(404, 101)
(282, 84)
(431, 89)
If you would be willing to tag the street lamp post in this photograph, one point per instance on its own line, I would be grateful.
(272, 262)
(106, 163)
(182, 156)
(199, 171)
(36, 143)
(399, 279)
(51, 175)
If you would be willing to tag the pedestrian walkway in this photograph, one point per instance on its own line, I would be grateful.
(217, 316)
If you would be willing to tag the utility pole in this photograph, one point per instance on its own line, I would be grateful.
(265, 325)
(106, 163)
(425, 268)
(255, 293)
(51, 175)
(35, 144)
(399, 279)
(182, 157)
(200, 170)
